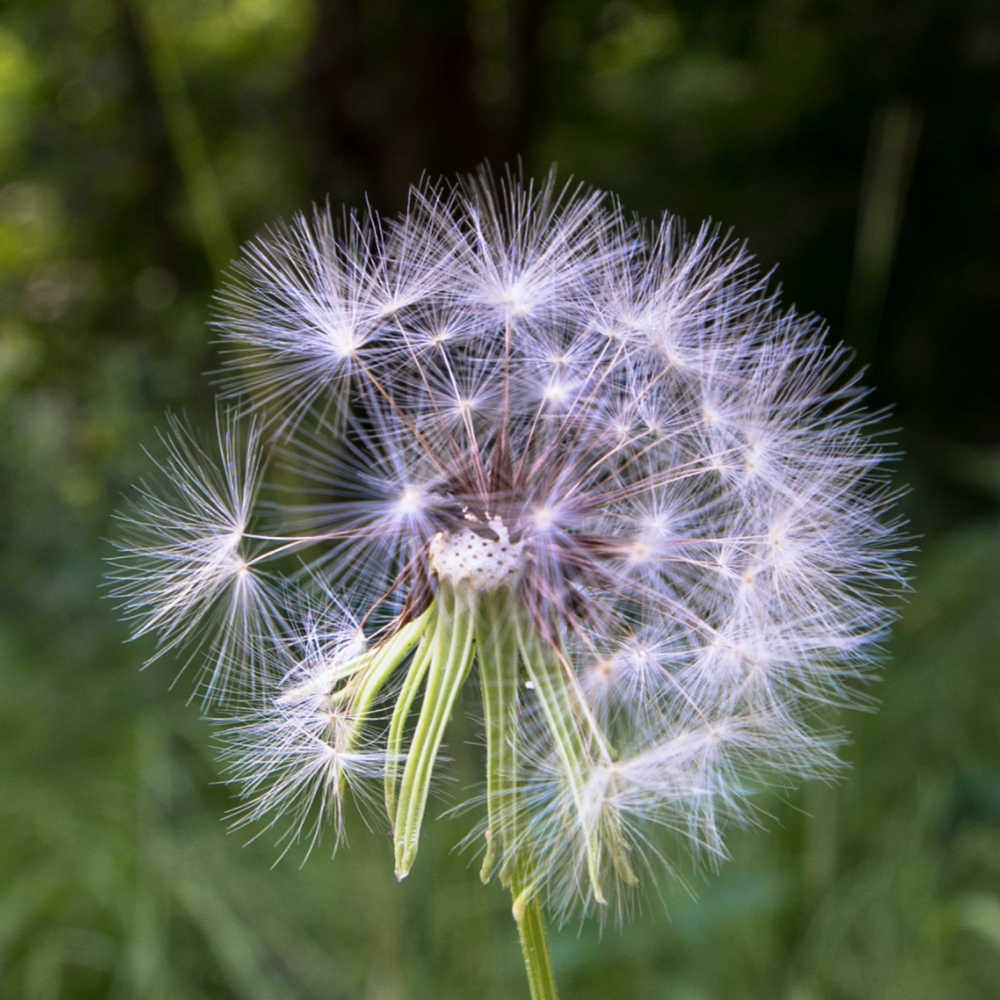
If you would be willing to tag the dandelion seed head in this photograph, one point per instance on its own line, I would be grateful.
(514, 430)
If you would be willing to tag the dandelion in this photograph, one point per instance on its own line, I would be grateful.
(514, 434)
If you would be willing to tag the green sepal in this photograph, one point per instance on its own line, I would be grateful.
(497, 653)
(404, 701)
(580, 745)
(450, 663)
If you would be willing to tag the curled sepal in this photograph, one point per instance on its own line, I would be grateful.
(497, 653)
(361, 693)
(311, 740)
(451, 660)
(404, 701)
(578, 745)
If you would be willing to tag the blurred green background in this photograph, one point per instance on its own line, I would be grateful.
(855, 143)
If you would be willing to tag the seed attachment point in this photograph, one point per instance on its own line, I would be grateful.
(468, 558)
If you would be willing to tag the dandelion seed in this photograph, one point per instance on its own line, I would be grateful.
(185, 570)
(595, 462)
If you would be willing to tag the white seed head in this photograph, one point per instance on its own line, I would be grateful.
(513, 392)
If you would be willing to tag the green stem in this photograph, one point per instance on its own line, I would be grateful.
(534, 945)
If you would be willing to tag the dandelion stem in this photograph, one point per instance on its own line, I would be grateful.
(534, 944)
